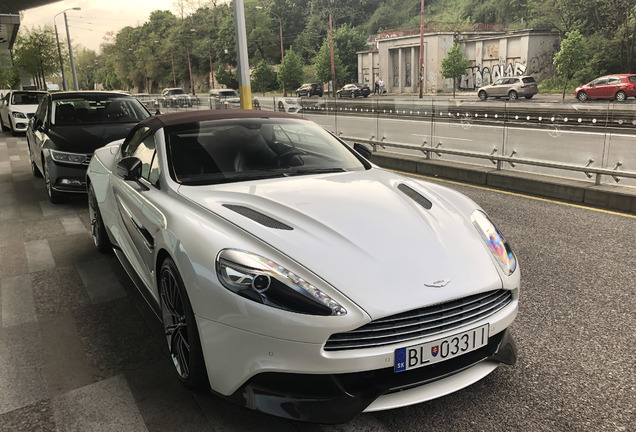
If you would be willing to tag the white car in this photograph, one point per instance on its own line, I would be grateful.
(278, 103)
(295, 277)
(17, 107)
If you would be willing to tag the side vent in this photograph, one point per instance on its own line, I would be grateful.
(258, 217)
(415, 196)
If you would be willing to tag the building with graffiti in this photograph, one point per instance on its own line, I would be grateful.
(492, 54)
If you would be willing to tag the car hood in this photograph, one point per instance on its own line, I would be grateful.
(364, 236)
(26, 109)
(87, 138)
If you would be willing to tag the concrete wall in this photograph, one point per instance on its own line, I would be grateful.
(491, 56)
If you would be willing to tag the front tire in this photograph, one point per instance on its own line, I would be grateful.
(621, 96)
(582, 96)
(98, 230)
(4, 128)
(180, 329)
(54, 196)
(34, 168)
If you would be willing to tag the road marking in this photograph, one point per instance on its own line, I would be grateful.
(486, 188)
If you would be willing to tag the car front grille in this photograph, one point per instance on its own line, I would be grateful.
(421, 322)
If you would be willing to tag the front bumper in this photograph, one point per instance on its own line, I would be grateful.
(68, 178)
(337, 398)
(304, 382)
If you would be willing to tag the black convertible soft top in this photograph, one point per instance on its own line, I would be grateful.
(171, 119)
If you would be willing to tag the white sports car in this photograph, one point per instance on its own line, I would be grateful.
(295, 277)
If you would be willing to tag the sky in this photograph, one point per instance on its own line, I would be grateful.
(89, 25)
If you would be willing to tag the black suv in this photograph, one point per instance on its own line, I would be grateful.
(309, 90)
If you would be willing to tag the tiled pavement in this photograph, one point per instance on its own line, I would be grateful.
(79, 348)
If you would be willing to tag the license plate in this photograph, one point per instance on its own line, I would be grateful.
(428, 353)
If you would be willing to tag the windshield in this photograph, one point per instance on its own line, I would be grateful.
(176, 92)
(97, 109)
(225, 151)
(228, 93)
(24, 98)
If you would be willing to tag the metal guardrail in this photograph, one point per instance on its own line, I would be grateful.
(498, 160)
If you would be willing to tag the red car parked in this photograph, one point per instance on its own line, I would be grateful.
(617, 86)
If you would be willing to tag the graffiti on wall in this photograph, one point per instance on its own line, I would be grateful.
(478, 76)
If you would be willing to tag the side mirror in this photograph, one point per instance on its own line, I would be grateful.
(37, 123)
(129, 168)
(158, 111)
(363, 150)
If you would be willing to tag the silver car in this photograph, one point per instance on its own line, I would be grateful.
(509, 87)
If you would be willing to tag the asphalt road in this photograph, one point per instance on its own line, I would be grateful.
(72, 360)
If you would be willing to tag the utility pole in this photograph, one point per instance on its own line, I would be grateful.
(421, 64)
(245, 90)
(70, 53)
(333, 68)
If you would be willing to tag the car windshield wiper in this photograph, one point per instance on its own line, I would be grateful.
(199, 180)
(314, 171)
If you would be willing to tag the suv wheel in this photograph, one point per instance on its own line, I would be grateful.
(512, 95)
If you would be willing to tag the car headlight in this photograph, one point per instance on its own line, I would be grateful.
(495, 241)
(17, 114)
(262, 280)
(65, 157)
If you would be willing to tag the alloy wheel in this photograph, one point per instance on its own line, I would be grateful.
(174, 322)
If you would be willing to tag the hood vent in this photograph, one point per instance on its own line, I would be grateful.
(258, 217)
(415, 196)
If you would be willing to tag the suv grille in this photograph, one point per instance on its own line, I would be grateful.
(421, 322)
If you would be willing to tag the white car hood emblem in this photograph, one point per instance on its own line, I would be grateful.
(438, 283)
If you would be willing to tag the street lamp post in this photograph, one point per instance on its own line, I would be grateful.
(59, 50)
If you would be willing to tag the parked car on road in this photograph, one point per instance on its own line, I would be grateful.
(331, 286)
(66, 129)
(509, 87)
(149, 101)
(309, 90)
(224, 99)
(618, 87)
(354, 90)
(17, 107)
(175, 98)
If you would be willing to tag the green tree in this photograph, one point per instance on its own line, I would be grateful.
(348, 42)
(263, 78)
(227, 78)
(323, 65)
(454, 65)
(35, 53)
(86, 68)
(290, 73)
(571, 57)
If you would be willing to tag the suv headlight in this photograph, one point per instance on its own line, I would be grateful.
(71, 158)
(17, 114)
(495, 241)
(262, 280)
